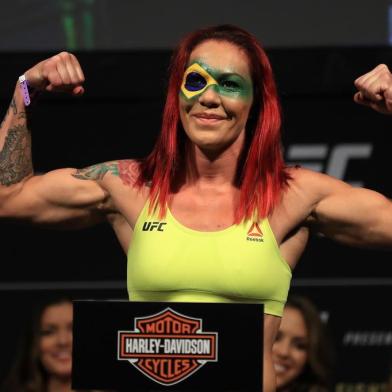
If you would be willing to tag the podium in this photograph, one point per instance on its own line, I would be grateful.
(161, 346)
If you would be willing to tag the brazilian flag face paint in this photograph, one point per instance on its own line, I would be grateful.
(196, 81)
(198, 77)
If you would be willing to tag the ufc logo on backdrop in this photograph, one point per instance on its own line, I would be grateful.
(151, 226)
(330, 160)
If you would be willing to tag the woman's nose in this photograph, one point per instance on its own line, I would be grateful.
(282, 348)
(210, 97)
(64, 337)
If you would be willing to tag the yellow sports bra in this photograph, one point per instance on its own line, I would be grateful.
(170, 262)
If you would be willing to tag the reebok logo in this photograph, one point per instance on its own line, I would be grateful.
(151, 226)
(255, 233)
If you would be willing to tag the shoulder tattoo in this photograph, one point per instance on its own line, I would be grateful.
(96, 172)
(126, 169)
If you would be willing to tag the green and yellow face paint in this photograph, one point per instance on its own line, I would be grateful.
(198, 77)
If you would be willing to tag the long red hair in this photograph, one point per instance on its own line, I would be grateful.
(261, 171)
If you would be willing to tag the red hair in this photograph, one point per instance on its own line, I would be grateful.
(261, 173)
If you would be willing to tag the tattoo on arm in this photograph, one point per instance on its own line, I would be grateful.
(97, 172)
(15, 156)
(14, 110)
(13, 106)
(125, 169)
(128, 171)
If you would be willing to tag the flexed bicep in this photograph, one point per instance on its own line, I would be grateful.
(56, 198)
(354, 216)
(50, 198)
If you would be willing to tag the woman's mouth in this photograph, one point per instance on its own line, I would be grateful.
(208, 118)
(63, 355)
(279, 368)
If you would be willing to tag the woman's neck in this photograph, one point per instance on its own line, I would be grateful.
(213, 167)
(59, 385)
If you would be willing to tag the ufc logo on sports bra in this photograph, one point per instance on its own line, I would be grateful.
(151, 226)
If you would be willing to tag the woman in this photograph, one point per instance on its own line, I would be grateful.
(302, 353)
(212, 214)
(389, 380)
(44, 362)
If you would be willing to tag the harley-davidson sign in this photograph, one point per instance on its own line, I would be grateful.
(167, 346)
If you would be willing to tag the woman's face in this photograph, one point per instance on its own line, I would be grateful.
(216, 95)
(290, 350)
(55, 344)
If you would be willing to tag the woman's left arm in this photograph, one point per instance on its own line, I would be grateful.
(356, 216)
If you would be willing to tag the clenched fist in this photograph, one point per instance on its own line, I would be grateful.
(375, 89)
(61, 73)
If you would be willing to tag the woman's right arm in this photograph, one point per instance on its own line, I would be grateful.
(58, 197)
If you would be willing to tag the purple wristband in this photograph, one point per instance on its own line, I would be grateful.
(25, 90)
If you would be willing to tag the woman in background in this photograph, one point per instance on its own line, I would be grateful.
(44, 361)
(301, 353)
(389, 381)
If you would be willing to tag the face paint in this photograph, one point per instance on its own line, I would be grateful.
(198, 77)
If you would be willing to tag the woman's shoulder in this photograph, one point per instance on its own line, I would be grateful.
(305, 188)
(129, 171)
(116, 175)
(312, 181)
(122, 181)
(299, 173)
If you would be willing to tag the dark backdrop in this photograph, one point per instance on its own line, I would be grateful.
(151, 24)
(119, 117)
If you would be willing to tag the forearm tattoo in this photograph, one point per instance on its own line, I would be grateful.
(12, 108)
(15, 156)
(125, 169)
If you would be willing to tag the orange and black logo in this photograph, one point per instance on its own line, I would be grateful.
(255, 233)
(167, 346)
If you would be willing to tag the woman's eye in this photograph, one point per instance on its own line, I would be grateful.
(46, 332)
(302, 346)
(195, 82)
(230, 85)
